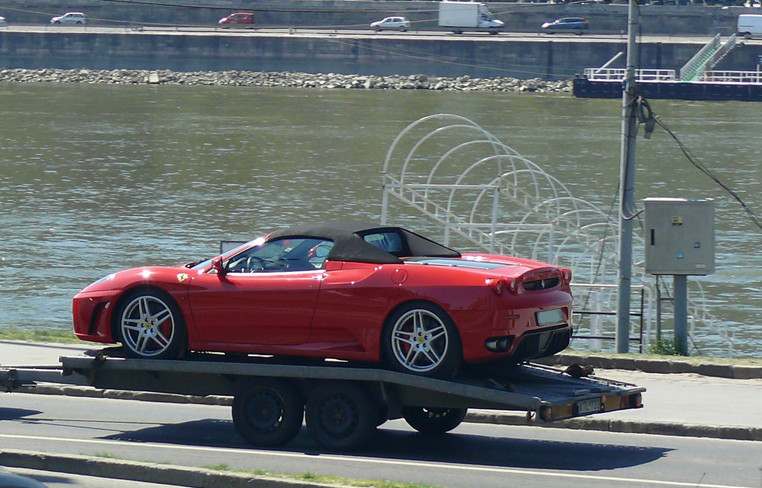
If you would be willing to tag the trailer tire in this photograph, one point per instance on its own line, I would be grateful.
(150, 325)
(341, 415)
(420, 338)
(433, 420)
(268, 412)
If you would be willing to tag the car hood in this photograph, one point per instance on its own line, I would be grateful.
(144, 275)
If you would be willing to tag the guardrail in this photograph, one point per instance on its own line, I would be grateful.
(741, 77)
(655, 75)
(618, 74)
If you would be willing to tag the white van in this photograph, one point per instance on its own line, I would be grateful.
(749, 25)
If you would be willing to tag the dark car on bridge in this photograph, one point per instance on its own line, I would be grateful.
(576, 25)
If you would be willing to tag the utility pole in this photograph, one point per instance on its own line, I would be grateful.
(627, 184)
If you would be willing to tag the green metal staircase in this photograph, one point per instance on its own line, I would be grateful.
(707, 58)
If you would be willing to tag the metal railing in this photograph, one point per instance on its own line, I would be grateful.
(740, 77)
(654, 75)
(596, 311)
(618, 74)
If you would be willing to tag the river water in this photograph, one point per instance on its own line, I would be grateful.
(97, 178)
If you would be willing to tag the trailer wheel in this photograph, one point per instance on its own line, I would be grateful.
(433, 420)
(267, 412)
(341, 415)
(421, 338)
(151, 326)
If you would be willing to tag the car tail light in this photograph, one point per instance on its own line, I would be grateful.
(497, 285)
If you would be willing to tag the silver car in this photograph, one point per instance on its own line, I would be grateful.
(70, 18)
(391, 23)
(576, 25)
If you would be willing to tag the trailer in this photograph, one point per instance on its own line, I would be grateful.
(341, 403)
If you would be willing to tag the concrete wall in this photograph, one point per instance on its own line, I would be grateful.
(521, 17)
(487, 56)
(455, 56)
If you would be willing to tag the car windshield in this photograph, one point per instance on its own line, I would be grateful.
(226, 253)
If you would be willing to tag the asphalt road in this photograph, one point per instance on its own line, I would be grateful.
(354, 33)
(481, 455)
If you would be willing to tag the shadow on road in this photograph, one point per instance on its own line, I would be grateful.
(398, 444)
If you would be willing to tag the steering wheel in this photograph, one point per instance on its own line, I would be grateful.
(255, 263)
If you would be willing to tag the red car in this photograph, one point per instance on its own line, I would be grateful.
(350, 291)
(244, 19)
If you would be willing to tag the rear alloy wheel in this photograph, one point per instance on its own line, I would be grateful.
(433, 420)
(341, 415)
(268, 412)
(151, 326)
(421, 338)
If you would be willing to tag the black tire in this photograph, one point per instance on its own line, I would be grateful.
(150, 325)
(420, 338)
(341, 415)
(268, 412)
(433, 420)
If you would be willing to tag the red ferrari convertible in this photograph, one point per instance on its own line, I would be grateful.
(350, 291)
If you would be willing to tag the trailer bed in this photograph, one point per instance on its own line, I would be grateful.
(545, 394)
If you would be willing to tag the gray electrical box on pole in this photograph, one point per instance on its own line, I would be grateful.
(680, 242)
(679, 236)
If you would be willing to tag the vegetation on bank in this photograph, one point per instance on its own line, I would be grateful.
(56, 336)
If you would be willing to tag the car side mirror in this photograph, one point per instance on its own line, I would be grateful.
(217, 266)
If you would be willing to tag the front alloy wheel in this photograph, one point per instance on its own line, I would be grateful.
(151, 326)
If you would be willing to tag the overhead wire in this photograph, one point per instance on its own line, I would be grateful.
(706, 171)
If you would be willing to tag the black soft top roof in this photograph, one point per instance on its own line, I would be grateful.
(349, 244)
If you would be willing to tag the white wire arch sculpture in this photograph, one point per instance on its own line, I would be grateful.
(487, 196)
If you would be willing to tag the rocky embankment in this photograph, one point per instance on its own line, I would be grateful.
(282, 79)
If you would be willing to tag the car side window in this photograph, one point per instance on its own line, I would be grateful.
(279, 255)
(390, 242)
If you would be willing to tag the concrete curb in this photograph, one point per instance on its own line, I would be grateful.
(145, 472)
(626, 426)
(652, 365)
